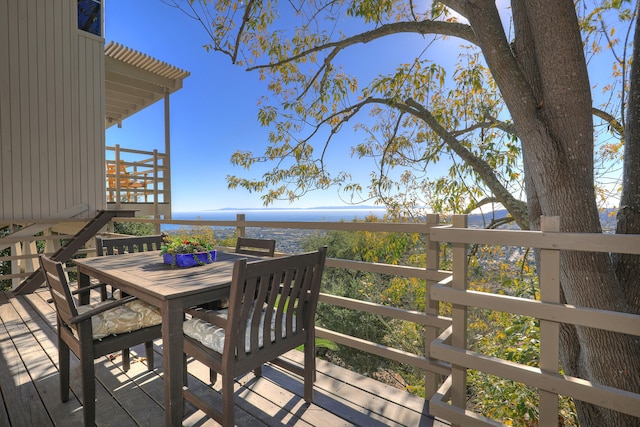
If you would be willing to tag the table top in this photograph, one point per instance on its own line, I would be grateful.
(146, 273)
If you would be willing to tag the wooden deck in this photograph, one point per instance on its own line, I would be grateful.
(29, 386)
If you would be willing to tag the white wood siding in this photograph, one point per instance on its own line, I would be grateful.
(52, 148)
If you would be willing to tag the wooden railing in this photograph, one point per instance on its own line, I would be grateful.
(135, 176)
(446, 355)
(451, 346)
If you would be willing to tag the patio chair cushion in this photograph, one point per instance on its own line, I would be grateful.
(128, 317)
(212, 336)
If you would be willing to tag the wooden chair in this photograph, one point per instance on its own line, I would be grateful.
(123, 245)
(246, 246)
(260, 247)
(128, 185)
(272, 307)
(92, 331)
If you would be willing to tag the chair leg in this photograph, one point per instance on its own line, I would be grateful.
(185, 375)
(213, 376)
(258, 371)
(88, 389)
(309, 369)
(126, 362)
(227, 401)
(103, 292)
(148, 347)
(63, 361)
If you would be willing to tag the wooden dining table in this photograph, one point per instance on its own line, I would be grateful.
(172, 289)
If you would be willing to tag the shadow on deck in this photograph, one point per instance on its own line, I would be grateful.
(29, 386)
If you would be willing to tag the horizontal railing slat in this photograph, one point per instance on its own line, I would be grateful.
(561, 313)
(588, 242)
(401, 356)
(598, 394)
(383, 310)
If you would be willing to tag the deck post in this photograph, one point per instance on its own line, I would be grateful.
(241, 230)
(166, 175)
(117, 171)
(549, 331)
(156, 210)
(16, 266)
(432, 307)
(459, 317)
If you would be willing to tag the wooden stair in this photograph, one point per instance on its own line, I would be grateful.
(36, 279)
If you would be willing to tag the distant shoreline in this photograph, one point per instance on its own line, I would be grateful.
(283, 214)
(316, 208)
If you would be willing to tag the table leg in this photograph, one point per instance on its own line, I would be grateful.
(172, 318)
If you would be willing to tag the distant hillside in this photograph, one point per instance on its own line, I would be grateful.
(607, 219)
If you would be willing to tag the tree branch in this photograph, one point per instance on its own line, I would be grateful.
(245, 19)
(418, 27)
(517, 208)
(613, 122)
(491, 123)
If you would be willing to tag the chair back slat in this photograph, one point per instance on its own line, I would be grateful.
(59, 288)
(276, 300)
(259, 247)
(121, 245)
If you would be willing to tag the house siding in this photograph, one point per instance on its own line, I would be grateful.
(52, 139)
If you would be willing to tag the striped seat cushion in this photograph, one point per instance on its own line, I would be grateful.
(212, 336)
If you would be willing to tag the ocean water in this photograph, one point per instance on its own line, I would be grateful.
(292, 215)
(308, 215)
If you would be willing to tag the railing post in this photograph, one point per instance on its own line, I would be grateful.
(117, 171)
(240, 230)
(29, 264)
(16, 265)
(459, 316)
(154, 180)
(432, 307)
(549, 331)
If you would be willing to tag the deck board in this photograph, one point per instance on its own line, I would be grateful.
(20, 392)
(29, 385)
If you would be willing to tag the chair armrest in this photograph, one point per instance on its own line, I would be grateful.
(81, 290)
(86, 288)
(112, 304)
(210, 316)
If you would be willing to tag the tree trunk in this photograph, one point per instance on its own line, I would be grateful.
(545, 84)
(628, 220)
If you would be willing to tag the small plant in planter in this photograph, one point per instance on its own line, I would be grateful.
(187, 252)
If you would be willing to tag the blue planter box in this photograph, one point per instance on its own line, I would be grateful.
(187, 260)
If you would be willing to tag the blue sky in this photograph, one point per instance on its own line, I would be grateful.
(214, 114)
(216, 111)
(211, 116)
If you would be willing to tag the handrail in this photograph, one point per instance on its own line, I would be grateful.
(134, 179)
(450, 400)
(445, 353)
(428, 320)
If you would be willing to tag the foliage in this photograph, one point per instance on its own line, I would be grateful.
(511, 121)
(194, 233)
(390, 248)
(133, 228)
(5, 266)
(179, 245)
(509, 337)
